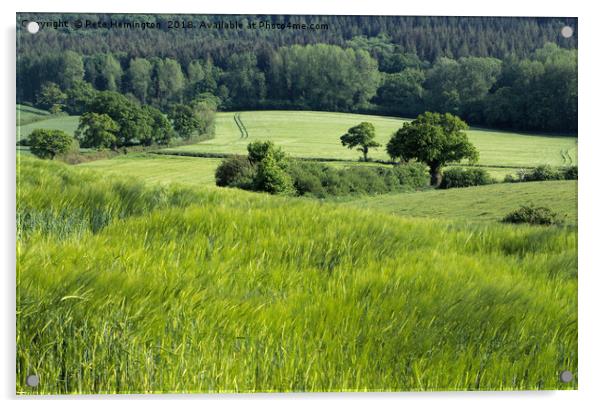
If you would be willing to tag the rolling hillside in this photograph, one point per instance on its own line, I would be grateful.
(133, 287)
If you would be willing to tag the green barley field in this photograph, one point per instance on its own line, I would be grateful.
(316, 134)
(133, 286)
(164, 169)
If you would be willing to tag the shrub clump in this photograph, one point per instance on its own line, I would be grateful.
(528, 214)
(544, 172)
(465, 177)
(268, 169)
(235, 171)
(264, 169)
(48, 143)
(570, 173)
(320, 180)
(414, 174)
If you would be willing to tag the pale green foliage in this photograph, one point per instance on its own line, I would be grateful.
(70, 69)
(104, 72)
(51, 97)
(170, 79)
(327, 76)
(139, 76)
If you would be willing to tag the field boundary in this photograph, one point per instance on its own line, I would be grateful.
(211, 155)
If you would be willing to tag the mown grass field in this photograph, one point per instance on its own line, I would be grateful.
(66, 123)
(130, 287)
(478, 204)
(316, 134)
(28, 114)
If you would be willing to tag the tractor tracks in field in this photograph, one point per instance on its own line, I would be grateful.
(244, 133)
(566, 157)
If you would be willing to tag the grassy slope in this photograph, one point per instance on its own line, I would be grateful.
(27, 114)
(483, 203)
(316, 134)
(67, 124)
(128, 288)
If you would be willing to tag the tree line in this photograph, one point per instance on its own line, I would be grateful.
(430, 38)
(111, 120)
(517, 89)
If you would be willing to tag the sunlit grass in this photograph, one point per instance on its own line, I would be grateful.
(478, 204)
(127, 287)
(316, 134)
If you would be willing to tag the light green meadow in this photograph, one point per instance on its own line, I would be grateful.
(478, 204)
(316, 134)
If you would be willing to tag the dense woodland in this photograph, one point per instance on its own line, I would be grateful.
(517, 73)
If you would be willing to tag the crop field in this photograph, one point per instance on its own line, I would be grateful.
(156, 168)
(27, 114)
(132, 287)
(316, 134)
(66, 123)
(478, 204)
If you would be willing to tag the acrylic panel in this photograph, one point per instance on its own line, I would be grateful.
(287, 203)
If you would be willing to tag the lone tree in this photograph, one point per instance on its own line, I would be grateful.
(362, 137)
(97, 130)
(47, 143)
(435, 139)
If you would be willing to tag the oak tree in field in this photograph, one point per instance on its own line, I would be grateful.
(97, 130)
(435, 139)
(360, 136)
(47, 143)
